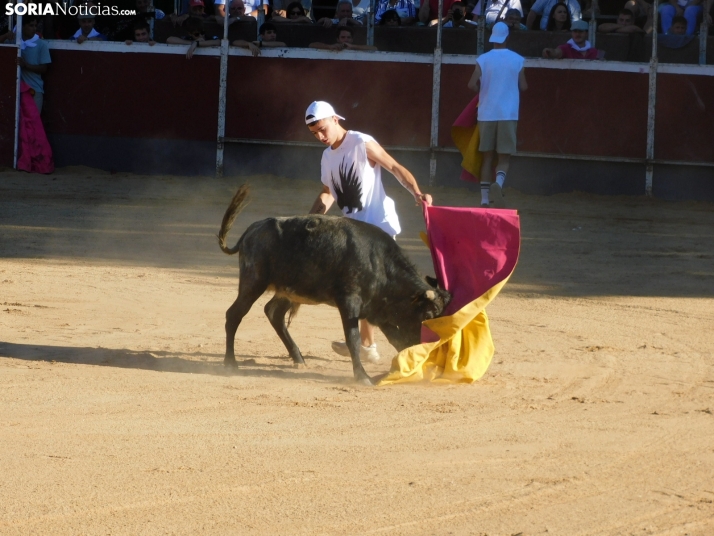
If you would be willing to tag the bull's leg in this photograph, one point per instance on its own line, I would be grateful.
(275, 310)
(248, 292)
(350, 323)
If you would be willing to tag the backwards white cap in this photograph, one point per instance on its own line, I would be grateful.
(319, 110)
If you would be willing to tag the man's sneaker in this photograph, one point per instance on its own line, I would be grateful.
(366, 353)
(496, 195)
(484, 205)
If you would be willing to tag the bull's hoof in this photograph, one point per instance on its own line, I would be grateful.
(230, 362)
(300, 365)
(365, 380)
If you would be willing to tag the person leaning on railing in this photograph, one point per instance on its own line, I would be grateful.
(544, 9)
(142, 34)
(194, 37)
(268, 38)
(345, 41)
(343, 16)
(625, 24)
(294, 13)
(577, 48)
(404, 8)
(86, 31)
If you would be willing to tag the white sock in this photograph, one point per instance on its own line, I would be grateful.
(484, 192)
(501, 178)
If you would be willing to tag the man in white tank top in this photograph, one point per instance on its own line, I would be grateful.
(498, 77)
(351, 174)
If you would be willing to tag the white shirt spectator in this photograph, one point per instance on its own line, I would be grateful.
(543, 8)
(494, 8)
(404, 8)
(250, 5)
(499, 96)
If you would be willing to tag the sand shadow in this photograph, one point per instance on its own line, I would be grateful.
(162, 361)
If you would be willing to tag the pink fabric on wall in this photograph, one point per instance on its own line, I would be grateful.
(34, 151)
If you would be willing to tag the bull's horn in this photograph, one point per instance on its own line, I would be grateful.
(430, 294)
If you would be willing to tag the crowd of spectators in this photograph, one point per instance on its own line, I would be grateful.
(677, 18)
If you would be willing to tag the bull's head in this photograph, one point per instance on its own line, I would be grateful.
(405, 328)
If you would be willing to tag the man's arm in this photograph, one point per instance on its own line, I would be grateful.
(608, 27)
(552, 53)
(323, 46)
(377, 155)
(323, 202)
(522, 84)
(247, 44)
(530, 19)
(474, 82)
(39, 69)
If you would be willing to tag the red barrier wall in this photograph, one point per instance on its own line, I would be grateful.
(132, 95)
(267, 98)
(167, 97)
(684, 118)
(565, 111)
(7, 104)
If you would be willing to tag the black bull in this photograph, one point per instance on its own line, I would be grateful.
(314, 259)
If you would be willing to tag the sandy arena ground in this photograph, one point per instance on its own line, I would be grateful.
(118, 417)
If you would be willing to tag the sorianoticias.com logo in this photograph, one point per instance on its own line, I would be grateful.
(63, 8)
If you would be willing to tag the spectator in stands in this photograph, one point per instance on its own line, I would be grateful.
(404, 8)
(236, 13)
(196, 9)
(143, 7)
(345, 41)
(456, 18)
(545, 7)
(691, 10)
(343, 16)
(34, 57)
(429, 9)
(513, 20)
(559, 18)
(251, 7)
(142, 34)
(496, 10)
(577, 48)
(678, 27)
(268, 38)
(625, 24)
(194, 37)
(86, 30)
(390, 18)
(295, 13)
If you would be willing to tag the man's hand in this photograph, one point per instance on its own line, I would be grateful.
(21, 62)
(338, 46)
(327, 23)
(81, 39)
(254, 50)
(191, 49)
(423, 199)
(548, 53)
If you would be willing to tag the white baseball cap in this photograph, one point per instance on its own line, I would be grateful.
(499, 33)
(320, 110)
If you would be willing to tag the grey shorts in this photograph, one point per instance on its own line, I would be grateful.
(497, 135)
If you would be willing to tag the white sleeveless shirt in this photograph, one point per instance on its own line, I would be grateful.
(356, 185)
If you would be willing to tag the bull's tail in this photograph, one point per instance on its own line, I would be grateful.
(237, 203)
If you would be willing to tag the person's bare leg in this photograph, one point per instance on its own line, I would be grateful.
(503, 161)
(486, 175)
(366, 331)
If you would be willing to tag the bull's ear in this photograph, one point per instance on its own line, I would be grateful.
(430, 295)
(431, 281)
